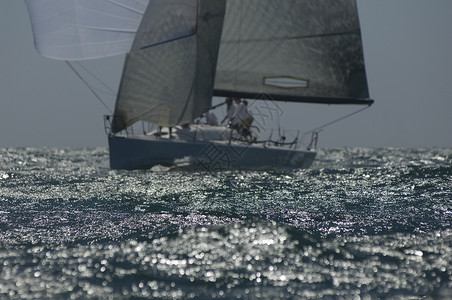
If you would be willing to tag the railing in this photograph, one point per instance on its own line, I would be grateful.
(283, 138)
(107, 124)
(314, 139)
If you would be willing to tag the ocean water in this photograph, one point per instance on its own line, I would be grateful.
(358, 224)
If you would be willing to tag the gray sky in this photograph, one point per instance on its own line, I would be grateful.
(408, 53)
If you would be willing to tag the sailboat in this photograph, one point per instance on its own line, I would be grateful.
(180, 54)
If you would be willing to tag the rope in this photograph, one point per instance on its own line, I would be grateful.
(337, 120)
(320, 128)
(89, 87)
(97, 78)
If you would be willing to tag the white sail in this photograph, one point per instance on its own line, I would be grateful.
(84, 29)
(292, 48)
(168, 76)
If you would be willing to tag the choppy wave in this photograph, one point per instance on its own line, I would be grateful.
(368, 223)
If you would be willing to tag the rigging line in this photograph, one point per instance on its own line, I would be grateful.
(337, 120)
(95, 77)
(89, 87)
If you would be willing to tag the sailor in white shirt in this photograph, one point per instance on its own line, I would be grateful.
(238, 113)
(230, 110)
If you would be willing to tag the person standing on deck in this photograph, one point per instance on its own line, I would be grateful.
(246, 119)
(230, 109)
(238, 114)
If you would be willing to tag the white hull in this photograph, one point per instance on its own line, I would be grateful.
(146, 151)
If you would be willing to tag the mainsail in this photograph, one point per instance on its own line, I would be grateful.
(292, 50)
(182, 52)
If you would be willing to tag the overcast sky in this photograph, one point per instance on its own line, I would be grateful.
(408, 53)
